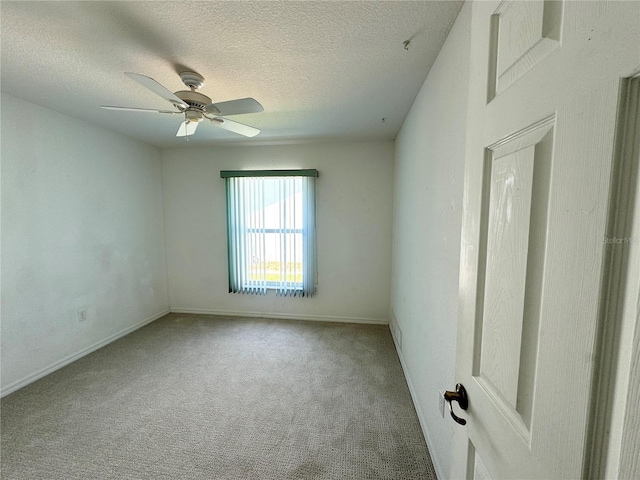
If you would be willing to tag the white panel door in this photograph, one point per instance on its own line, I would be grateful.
(544, 87)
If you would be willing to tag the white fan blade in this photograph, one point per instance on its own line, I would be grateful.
(132, 109)
(187, 128)
(156, 88)
(236, 127)
(235, 107)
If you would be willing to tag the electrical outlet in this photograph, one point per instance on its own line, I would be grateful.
(82, 315)
(441, 402)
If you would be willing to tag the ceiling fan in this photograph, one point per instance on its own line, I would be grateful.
(196, 107)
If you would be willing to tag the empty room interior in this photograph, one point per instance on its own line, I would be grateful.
(320, 239)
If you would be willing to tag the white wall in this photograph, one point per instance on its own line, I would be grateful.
(354, 208)
(429, 171)
(82, 226)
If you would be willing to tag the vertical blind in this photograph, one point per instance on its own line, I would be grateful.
(271, 234)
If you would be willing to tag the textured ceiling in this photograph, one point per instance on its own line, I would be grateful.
(320, 69)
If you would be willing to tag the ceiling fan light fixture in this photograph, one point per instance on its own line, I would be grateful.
(193, 116)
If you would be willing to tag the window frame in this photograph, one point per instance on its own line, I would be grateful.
(239, 281)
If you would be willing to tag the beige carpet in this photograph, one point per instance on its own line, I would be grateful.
(201, 397)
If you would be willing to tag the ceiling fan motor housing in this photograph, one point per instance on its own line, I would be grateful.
(194, 99)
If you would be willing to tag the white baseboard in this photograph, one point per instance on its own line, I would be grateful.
(287, 316)
(72, 358)
(423, 424)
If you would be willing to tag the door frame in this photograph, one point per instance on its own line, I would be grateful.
(614, 436)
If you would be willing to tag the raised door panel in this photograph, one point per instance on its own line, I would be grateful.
(516, 196)
(522, 34)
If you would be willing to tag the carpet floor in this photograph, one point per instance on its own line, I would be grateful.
(209, 397)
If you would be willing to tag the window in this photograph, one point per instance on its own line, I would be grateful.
(271, 233)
